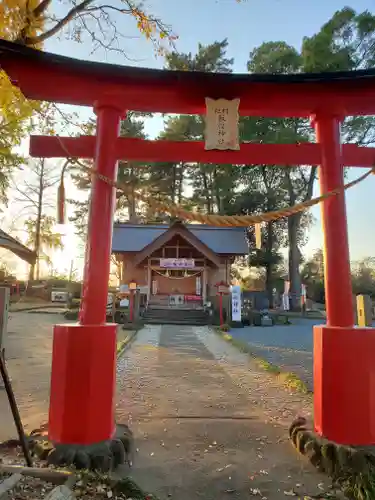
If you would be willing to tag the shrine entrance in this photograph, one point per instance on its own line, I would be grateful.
(342, 413)
(180, 264)
(178, 276)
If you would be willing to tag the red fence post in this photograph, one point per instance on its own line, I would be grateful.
(221, 308)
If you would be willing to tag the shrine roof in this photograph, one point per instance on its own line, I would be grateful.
(221, 240)
(16, 247)
(75, 81)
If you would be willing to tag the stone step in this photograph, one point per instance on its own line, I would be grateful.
(176, 316)
(175, 312)
(165, 321)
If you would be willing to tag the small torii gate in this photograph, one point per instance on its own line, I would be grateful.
(83, 379)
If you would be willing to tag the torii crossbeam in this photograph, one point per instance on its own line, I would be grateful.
(83, 366)
(194, 151)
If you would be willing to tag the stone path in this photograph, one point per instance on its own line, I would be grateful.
(208, 423)
(28, 354)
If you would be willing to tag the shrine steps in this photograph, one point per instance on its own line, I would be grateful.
(161, 316)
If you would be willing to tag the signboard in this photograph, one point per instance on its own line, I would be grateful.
(236, 303)
(285, 296)
(224, 289)
(192, 298)
(222, 124)
(177, 263)
(285, 302)
(109, 303)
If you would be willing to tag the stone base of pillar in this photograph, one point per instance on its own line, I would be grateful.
(105, 456)
(344, 384)
(351, 468)
(82, 384)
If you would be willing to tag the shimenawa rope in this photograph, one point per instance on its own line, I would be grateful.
(213, 219)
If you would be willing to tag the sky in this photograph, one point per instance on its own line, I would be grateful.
(246, 25)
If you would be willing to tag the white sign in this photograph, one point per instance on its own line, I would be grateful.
(109, 303)
(222, 124)
(285, 302)
(198, 285)
(236, 303)
(177, 263)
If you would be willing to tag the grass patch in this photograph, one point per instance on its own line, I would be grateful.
(224, 328)
(288, 379)
(123, 339)
(120, 346)
(358, 485)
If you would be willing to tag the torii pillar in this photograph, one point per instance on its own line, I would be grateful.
(84, 354)
(344, 368)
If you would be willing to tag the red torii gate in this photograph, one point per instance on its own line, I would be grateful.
(83, 378)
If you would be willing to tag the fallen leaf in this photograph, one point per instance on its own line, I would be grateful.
(290, 493)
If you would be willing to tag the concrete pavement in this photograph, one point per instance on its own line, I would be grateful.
(208, 422)
(288, 346)
(28, 355)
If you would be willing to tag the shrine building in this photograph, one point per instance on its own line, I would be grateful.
(178, 264)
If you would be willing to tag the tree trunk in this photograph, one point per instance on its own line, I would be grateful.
(206, 192)
(219, 201)
(269, 265)
(174, 184)
(131, 199)
(294, 260)
(35, 269)
(181, 183)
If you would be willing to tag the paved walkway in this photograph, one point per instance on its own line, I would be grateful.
(208, 423)
(288, 346)
(28, 354)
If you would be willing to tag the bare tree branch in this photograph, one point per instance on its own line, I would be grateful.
(58, 26)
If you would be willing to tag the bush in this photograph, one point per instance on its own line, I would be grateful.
(237, 324)
(133, 326)
(72, 314)
(224, 328)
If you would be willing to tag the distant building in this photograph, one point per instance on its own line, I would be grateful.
(177, 263)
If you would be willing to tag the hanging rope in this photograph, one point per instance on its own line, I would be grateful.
(164, 275)
(213, 219)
